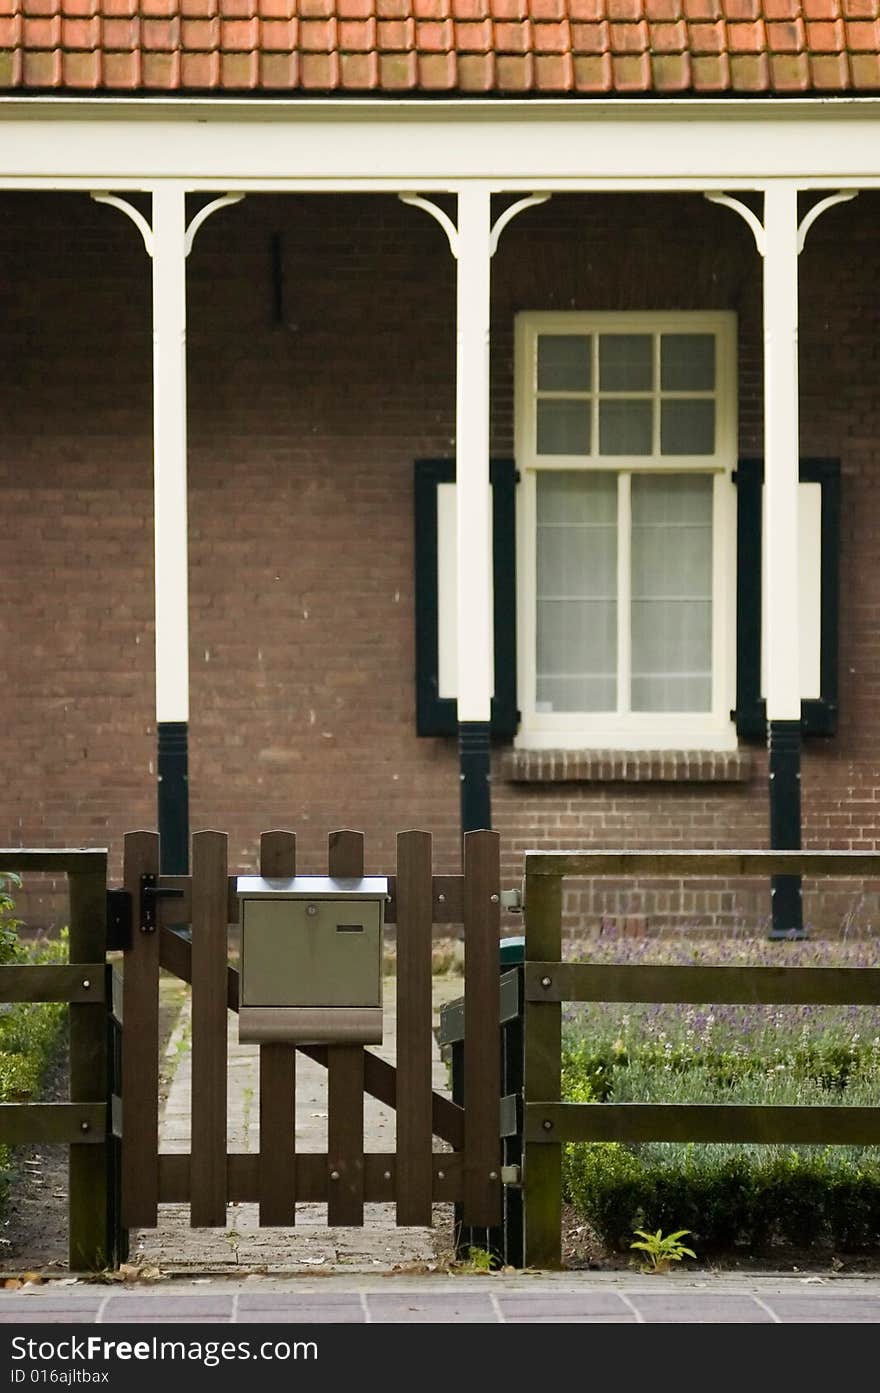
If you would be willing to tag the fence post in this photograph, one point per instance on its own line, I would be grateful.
(414, 1019)
(91, 1246)
(542, 1161)
(140, 1044)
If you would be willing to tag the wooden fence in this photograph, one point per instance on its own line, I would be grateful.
(412, 1177)
(88, 1121)
(549, 1123)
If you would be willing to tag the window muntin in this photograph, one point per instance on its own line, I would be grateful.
(613, 393)
(626, 443)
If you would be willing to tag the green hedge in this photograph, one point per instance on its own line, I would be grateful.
(756, 1198)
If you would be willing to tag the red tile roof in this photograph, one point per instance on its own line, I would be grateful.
(466, 47)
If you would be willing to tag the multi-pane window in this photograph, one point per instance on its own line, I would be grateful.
(626, 441)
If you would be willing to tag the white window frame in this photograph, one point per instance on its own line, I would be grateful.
(711, 730)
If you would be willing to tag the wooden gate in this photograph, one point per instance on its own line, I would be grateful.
(180, 923)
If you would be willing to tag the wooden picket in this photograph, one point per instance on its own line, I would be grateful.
(345, 1080)
(414, 1013)
(277, 1079)
(209, 961)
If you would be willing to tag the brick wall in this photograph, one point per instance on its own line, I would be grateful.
(302, 437)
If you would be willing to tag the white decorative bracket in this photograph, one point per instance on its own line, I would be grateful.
(510, 213)
(416, 201)
(818, 209)
(131, 212)
(745, 213)
(203, 214)
(806, 222)
(146, 231)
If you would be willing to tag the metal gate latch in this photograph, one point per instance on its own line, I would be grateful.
(511, 900)
(150, 894)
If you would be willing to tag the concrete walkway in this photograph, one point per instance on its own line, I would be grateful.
(591, 1298)
(175, 1248)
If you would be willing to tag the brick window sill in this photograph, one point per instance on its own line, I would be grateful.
(626, 766)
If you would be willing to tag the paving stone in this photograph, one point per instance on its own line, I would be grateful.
(437, 1307)
(587, 1303)
(69, 1317)
(168, 1306)
(304, 1315)
(260, 1301)
(606, 1319)
(696, 1308)
(53, 1303)
(825, 1308)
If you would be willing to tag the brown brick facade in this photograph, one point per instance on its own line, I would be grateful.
(302, 440)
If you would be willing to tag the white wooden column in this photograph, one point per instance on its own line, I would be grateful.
(473, 242)
(781, 451)
(169, 455)
(170, 530)
(473, 506)
(473, 497)
(781, 561)
(167, 241)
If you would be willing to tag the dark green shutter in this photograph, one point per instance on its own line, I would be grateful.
(436, 715)
(818, 714)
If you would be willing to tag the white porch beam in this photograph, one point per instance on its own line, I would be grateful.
(426, 146)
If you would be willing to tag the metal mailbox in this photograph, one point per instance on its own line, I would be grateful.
(311, 959)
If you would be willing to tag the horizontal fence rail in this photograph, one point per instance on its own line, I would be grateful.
(53, 982)
(24, 1123)
(703, 863)
(447, 899)
(63, 861)
(699, 985)
(548, 982)
(764, 1123)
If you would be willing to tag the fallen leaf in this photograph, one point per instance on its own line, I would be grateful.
(12, 1284)
(813, 1281)
(34, 1278)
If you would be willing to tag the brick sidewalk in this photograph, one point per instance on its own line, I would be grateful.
(502, 1299)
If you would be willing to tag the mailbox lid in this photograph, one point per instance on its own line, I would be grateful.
(313, 887)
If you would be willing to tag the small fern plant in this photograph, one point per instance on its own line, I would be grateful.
(661, 1251)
